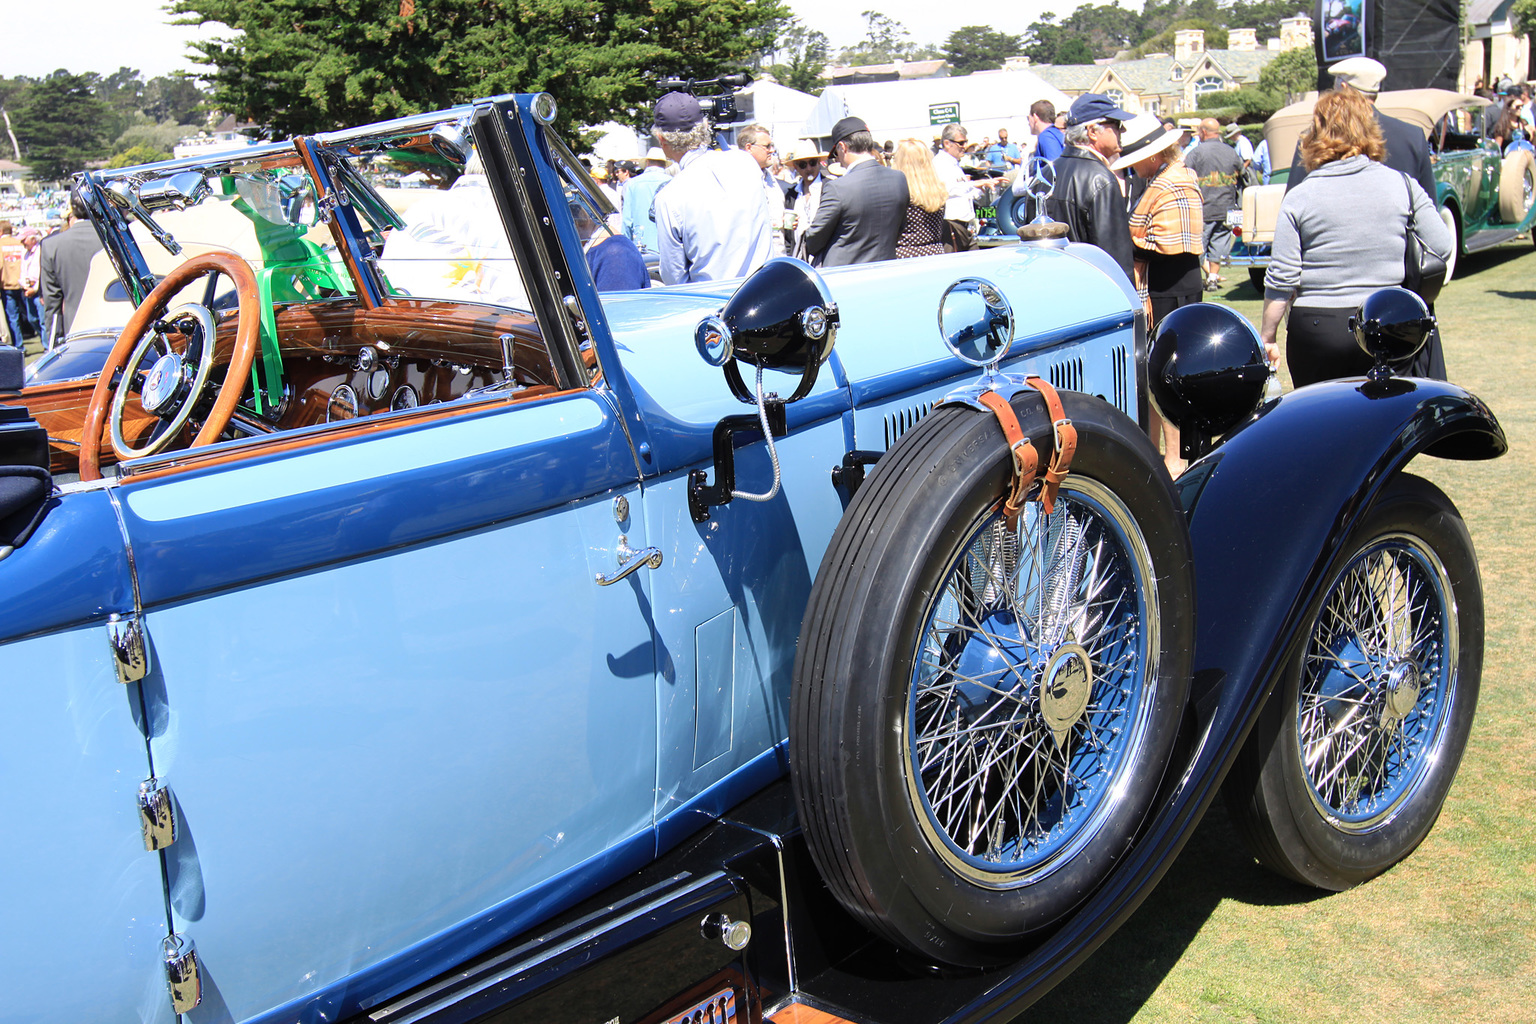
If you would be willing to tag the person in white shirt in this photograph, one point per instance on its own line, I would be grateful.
(960, 210)
(804, 196)
(757, 142)
(712, 220)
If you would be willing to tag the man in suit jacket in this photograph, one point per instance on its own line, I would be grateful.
(64, 265)
(1407, 148)
(862, 213)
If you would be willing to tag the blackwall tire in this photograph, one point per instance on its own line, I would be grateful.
(965, 775)
(1351, 760)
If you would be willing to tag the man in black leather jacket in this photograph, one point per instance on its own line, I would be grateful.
(1087, 196)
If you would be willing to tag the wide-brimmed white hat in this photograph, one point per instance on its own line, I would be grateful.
(803, 149)
(1143, 136)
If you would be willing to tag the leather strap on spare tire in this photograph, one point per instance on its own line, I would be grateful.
(1026, 460)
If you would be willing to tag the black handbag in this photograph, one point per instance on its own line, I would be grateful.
(1423, 268)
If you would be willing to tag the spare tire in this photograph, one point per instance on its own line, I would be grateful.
(981, 714)
(1517, 186)
(1012, 212)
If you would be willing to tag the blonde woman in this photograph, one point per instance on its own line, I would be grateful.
(1166, 240)
(924, 232)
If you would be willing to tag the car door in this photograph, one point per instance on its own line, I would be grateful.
(84, 910)
(402, 719)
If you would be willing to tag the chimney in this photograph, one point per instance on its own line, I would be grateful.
(1188, 43)
(1242, 39)
(1296, 33)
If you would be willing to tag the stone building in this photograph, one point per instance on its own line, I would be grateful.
(1163, 84)
(1493, 49)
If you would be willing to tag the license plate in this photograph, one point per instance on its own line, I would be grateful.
(719, 1008)
(1234, 218)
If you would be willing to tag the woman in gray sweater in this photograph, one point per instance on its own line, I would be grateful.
(1341, 235)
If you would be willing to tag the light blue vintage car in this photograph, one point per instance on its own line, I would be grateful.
(392, 601)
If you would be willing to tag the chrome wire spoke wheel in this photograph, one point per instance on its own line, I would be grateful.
(1376, 683)
(1032, 686)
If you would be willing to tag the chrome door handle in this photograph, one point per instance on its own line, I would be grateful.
(630, 560)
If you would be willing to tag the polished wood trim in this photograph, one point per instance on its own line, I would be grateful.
(799, 1013)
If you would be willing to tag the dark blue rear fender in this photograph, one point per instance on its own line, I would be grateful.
(1270, 512)
(1271, 509)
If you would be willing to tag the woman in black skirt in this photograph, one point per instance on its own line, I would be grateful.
(1340, 236)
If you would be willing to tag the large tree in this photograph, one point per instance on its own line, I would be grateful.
(311, 65)
(885, 40)
(978, 48)
(799, 55)
(61, 123)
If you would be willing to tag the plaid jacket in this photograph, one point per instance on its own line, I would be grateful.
(1167, 218)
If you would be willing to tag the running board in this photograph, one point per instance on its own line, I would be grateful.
(1486, 239)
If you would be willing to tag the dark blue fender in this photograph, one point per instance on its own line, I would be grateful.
(1269, 513)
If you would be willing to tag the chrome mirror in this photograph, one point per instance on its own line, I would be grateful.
(177, 192)
(451, 140)
(123, 195)
(976, 322)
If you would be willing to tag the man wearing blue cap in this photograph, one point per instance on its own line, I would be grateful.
(712, 220)
(1087, 196)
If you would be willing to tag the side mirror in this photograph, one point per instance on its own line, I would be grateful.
(177, 192)
(1206, 371)
(781, 318)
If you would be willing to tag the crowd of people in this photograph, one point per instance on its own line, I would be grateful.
(1156, 196)
(42, 275)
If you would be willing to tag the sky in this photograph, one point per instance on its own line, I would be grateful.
(104, 35)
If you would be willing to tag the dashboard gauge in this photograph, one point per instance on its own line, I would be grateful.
(405, 398)
(378, 384)
(342, 406)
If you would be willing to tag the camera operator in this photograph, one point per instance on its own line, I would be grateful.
(712, 220)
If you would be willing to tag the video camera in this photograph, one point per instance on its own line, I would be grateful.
(719, 96)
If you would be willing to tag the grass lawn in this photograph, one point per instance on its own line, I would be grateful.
(1449, 935)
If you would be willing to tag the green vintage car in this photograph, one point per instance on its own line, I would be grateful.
(1485, 198)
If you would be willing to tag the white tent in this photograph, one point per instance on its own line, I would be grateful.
(987, 100)
(778, 108)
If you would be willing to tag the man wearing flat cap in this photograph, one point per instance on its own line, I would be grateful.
(861, 214)
(712, 220)
(1407, 147)
(1087, 196)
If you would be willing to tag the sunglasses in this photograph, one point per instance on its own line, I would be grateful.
(804, 165)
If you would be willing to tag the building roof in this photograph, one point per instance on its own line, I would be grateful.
(1156, 74)
(11, 167)
(1486, 12)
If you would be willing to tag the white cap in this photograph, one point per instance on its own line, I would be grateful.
(1361, 73)
(655, 153)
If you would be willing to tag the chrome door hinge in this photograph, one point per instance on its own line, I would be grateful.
(157, 816)
(181, 973)
(130, 654)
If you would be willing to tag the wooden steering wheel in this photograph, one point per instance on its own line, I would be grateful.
(171, 388)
